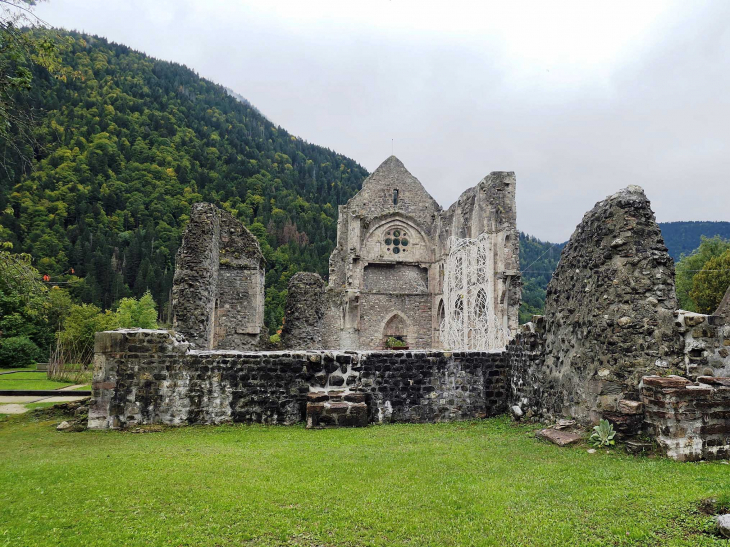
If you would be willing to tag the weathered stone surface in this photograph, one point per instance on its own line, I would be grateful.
(218, 287)
(334, 410)
(706, 339)
(304, 313)
(609, 310)
(386, 271)
(689, 421)
(638, 447)
(164, 382)
(559, 436)
(626, 406)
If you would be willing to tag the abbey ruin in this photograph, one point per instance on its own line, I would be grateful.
(419, 323)
(387, 272)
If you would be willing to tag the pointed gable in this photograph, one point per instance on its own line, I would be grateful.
(392, 189)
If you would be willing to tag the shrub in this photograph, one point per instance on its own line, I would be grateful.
(77, 337)
(393, 342)
(140, 313)
(18, 351)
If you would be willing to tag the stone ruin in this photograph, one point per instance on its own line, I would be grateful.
(386, 273)
(218, 287)
(611, 343)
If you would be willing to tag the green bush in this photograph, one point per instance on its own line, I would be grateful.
(140, 313)
(17, 352)
(393, 342)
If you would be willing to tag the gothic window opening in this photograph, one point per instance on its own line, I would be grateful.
(395, 196)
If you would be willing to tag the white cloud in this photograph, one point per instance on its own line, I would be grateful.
(579, 98)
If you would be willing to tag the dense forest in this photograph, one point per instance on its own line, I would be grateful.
(538, 260)
(126, 143)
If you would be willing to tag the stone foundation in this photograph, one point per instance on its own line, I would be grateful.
(153, 377)
(336, 409)
(690, 421)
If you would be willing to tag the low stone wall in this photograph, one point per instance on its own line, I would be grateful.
(706, 343)
(690, 421)
(152, 376)
(433, 386)
(526, 358)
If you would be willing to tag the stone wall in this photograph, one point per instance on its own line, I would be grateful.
(434, 386)
(392, 240)
(526, 357)
(609, 311)
(218, 287)
(152, 376)
(706, 340)
(690, 421)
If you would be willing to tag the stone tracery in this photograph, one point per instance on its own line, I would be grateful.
(470, 321)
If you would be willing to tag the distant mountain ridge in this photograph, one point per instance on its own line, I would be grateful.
(684, 237)
(538, 259)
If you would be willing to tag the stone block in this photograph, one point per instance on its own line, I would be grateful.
(626, 406)
(559, 437)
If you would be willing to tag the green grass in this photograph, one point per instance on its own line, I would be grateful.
(482, 483)
(86, 387)
(29, 380)
(33, 406)
(21, 369)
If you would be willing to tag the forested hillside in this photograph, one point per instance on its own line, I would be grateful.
(126, 143)
(684, 237)
(538, 260)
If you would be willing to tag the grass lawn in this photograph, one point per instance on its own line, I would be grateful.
(475, 483)
(20, 369)
(29, 380)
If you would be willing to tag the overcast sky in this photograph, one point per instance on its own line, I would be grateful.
(580, 99)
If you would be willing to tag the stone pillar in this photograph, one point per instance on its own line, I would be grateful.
(195, 285)
(304, 313)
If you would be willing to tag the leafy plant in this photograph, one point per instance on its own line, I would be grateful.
(18, 351)
(393, 342)
(137, 313)
(603, 434)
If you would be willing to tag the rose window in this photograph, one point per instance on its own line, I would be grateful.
(396, 241)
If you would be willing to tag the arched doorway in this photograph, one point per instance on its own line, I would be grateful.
(396, 329)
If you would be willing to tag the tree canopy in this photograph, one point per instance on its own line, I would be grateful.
(127, 143)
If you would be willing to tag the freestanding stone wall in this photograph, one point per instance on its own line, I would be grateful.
(609, 311)
(151, 377)
(218, 288)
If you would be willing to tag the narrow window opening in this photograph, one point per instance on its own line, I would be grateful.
(395, 196)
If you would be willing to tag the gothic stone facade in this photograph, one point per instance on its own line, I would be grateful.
(218, 288)
(387, 270)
